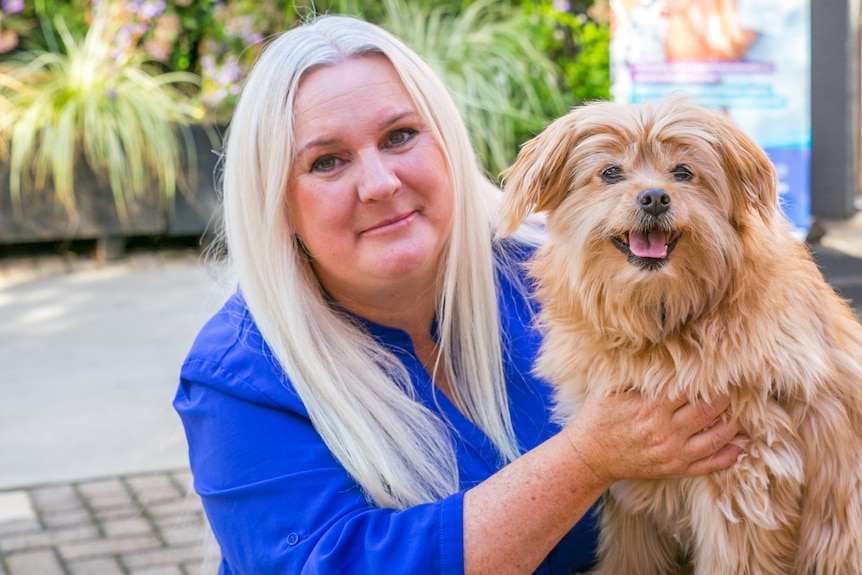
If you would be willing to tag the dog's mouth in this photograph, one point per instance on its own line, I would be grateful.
(648, 248)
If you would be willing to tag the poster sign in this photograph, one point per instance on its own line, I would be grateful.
(749, 59)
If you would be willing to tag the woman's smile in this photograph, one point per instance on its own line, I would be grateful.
(393, 224)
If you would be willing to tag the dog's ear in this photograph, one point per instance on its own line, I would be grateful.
(540, 177)
(753, 178)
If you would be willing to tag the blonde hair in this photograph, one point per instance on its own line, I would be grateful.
(358, 395)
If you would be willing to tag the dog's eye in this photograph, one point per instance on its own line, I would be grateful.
(682, 174)
(612, 174)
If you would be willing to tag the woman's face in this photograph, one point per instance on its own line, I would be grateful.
(369, 191)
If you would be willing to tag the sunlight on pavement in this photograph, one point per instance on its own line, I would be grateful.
(15, 505)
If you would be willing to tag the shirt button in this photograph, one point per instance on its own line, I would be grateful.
(292, 539)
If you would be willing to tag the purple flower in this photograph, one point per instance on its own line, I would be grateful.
(124, 38)
(12, 6)
(242, 28)
(562, 5)
(230, 72)
(151, 9)
(208, 65)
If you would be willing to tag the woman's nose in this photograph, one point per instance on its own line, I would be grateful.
(377, 179)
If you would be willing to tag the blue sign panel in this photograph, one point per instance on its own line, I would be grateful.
(749, 59)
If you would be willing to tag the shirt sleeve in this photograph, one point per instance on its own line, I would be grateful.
(277, 500)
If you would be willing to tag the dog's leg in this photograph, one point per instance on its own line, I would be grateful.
(745, 519)
(741, 548)
(830, 541)
(719, 545)
(632, 544)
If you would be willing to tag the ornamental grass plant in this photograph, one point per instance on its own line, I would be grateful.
(92, 101)
(502, 83)
(112, 85)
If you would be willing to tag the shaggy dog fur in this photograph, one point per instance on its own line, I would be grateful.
(670, 269)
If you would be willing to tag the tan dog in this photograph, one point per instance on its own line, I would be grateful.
(669, 269)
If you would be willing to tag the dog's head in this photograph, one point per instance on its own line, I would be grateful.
(652, 195)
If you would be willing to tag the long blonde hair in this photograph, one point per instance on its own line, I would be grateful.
(358, 395)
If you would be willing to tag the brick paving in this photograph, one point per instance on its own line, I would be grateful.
(126, 523)
(145, 524)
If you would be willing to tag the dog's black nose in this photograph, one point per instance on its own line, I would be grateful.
(654, 202)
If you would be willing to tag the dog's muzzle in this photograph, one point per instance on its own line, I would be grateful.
(649, 244)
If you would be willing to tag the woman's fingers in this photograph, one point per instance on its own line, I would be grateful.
(715, 441)
(714, 447)
(627, 436)
(699, 415)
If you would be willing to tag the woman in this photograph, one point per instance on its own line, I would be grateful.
(364, 402)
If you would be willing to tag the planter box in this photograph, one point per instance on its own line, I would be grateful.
(41, 218)
(197, 210)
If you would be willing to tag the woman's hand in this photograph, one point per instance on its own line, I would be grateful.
(627, 436)
(514, 519)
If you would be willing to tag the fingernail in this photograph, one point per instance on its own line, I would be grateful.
(741, 441)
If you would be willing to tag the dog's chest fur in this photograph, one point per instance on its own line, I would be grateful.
(774, 362)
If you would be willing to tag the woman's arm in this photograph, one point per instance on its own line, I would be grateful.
(514, 519)
(278, 502)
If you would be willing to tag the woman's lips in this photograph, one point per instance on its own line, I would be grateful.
(390, 224)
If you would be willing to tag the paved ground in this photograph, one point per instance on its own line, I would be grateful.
(89, 364)
(93, 466)
(145, 524)
(93, 469)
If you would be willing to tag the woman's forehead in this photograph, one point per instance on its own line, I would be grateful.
(359, 89)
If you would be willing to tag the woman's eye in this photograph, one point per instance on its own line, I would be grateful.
(612, 174)
(402, 136)
(682, 173)
(324, 164)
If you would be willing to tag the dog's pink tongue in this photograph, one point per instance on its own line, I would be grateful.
(651, 245)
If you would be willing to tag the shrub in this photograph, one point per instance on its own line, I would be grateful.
(98, 101)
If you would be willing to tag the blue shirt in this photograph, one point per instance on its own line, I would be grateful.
(280, 503)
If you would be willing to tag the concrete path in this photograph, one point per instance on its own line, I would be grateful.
(88, 367)
(93, 470)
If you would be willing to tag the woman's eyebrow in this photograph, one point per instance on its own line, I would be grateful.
(318, 143)
(331, 140)
(397, 117)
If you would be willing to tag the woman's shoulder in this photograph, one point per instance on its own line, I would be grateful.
(519, 248)
(230, 355)
(513, 257)
(228, 332)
